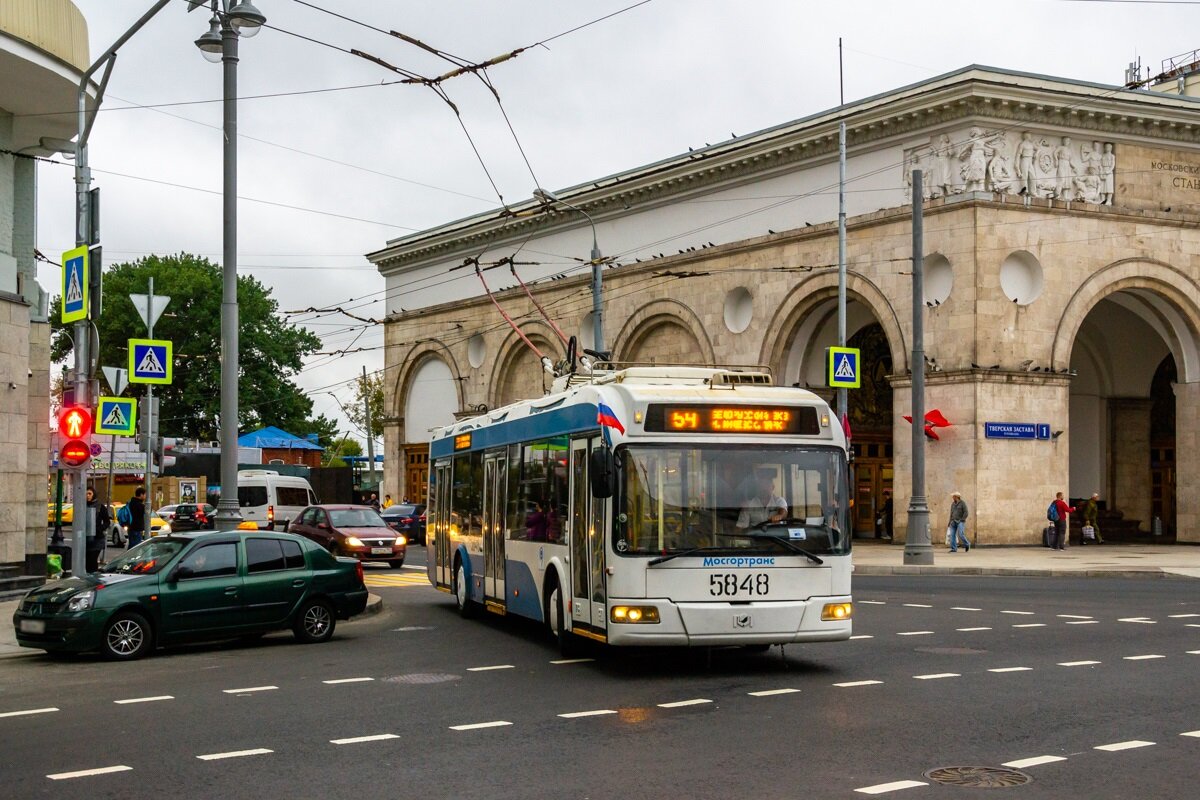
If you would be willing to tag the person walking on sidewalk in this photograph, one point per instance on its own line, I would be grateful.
(1060, 523)
(1091, 516)
(137, 517)
(958, 523)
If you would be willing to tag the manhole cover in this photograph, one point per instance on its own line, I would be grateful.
(423, 678)
(978, 777)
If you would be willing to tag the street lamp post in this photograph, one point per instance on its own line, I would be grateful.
(220, 43)
(597, 280)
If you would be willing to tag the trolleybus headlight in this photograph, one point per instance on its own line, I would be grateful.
(635, 614)
(835, 612)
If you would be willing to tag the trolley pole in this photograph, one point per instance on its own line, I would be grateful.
(917, 547)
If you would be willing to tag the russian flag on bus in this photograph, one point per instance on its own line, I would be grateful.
(607, 418)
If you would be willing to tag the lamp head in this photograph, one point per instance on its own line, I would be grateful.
(246, 19)
(210, 43)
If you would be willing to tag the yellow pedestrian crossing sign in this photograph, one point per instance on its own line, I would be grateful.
(843, 368)
(116, 416)
(150, 361)
(75, 285)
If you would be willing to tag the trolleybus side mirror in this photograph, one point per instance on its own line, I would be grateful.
(601, 472)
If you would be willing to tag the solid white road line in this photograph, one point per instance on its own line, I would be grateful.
(1022, 613)
(967, 630)
(378, 737)
(936, 675)
(856, 683)
(348, 680)
(1142, 658)
(964, 608)
(1077, 663)
(577, 714)
(1142, 620)
(259, 751)
(144, 699)
(1195, 734)
(477, 725)
(1030, 625)
(863, 636)
(489, 669)
(250, 689)
(913, 633)
(884, 788)
(917, 605)
(681, 703)
(572, 660)
(1036, 761)
(1010, 669)
(772, 692)
(84, 773)
(1130, 745)
(1182, 616)
(1084, 622)
(27, 712)
(1073, 616)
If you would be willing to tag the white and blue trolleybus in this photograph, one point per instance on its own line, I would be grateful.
(649, 506)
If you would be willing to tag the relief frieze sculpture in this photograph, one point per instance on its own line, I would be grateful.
(1011, 162)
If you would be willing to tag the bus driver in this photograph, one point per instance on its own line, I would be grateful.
(764, 505)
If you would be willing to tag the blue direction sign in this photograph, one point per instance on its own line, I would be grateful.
(1016, 430)
(116, 416)
(150, 361)
(75, 285)
(843, 368)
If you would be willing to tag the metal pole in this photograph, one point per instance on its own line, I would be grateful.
(370, 433)
(917, 547)
(228, 513)
(597, 291)
(149, 419)
(842, 394)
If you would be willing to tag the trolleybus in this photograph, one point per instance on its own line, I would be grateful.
(649, 506)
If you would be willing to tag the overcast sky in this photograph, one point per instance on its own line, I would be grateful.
(637, 87)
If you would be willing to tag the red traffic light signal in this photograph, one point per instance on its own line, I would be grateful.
(75, 434)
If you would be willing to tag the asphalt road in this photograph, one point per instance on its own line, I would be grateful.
(1087, 686)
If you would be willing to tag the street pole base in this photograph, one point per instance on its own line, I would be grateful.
(228, 516)
(918, 554)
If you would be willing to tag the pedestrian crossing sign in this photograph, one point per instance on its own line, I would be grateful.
(116, 416)
(150, 361)
(75, 285)
(843, 368)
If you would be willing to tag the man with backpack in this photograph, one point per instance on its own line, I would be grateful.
(1058, 513)
(137, 516)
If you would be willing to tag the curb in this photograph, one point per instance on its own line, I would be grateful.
(1013, 572)
(374, 606)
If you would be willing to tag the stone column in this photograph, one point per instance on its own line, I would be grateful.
(1130, 457)
(1187, 462)
(38, 448)
(395, 466)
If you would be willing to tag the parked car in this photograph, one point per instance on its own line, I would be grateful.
(193, 517)
(167, 513)
(271, 500)
(114, 534)
(407, 518)
(194, 586)
(355, 531)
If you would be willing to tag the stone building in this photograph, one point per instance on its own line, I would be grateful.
(43, 54)
(1062, 290)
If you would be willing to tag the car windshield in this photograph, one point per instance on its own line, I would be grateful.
(147, 558)
(356, 518)
(726, 497)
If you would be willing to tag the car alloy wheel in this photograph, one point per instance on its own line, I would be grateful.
(127, 637)
(315, 622)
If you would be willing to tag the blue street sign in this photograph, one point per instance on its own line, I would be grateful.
(842, 368)
(75, 285)
(1016, 430)
(1043, 430)
(150, 361)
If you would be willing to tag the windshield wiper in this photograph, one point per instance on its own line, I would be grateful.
(692, 551)
(759, 531)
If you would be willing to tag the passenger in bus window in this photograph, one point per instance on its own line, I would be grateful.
(765, 505)
(535, 523)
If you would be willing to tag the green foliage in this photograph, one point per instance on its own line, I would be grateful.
(270, 349)
(344, 446)
(372, 386)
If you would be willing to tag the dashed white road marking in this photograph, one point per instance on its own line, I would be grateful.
(964, 608)
(1194, 652)
(1143, 658)
(1130, 745)
(862, 636)
(1073, 616)
(1182, 616)
(1077, 663)
(894, 786)
(1022, 613)
(348, 680)
(598, 712)
(28, 712)
(489, 669)
(1193, 625)
(258, 751)
(699, 701)
(1142, 620)
(1084, 622)
(1195, 734)
(1010, 669)
(772, 692)
(936, 675)
(871, 602)
(250, 689)
(917, 605)
(1030, 625)
(144, 699)
(477, 725)
(856, 683)
(572, 660)
(968, 630)
(377, 737)
(84, 773)
(1036, 761)
(411, 566)
(913, 633)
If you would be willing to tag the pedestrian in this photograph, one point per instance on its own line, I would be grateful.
(1060, 514)
(374, 503)
(955, 530)
(96, 542)
(885, 517)
(137, 516)
(1091, 516)
(387, 501)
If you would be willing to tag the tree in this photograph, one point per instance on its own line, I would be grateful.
(368, 386)
(344, 446)
(270, 349)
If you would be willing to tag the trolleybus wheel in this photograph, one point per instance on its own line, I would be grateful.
(466, 608)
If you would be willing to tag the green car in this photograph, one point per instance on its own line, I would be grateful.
(195, 586)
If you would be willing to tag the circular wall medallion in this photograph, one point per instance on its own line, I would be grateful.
(1021, 277)
(587, 332)
(476, 350)
(939, 278)
(739, 309)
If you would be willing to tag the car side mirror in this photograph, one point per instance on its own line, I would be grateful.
(180, 572)
(601, 473)
(323, 526)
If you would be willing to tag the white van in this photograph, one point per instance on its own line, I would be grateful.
(272, 500)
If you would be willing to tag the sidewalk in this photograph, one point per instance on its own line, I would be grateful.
(1099, 561)
(8, 636)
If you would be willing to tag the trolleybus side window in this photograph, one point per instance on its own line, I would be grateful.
(537, 505)
(467, 503)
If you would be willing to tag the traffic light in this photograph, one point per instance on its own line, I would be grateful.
(164, 445)
(74, 437)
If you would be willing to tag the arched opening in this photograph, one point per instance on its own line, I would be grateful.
(522, 376)
(666, 342)
(430, 398)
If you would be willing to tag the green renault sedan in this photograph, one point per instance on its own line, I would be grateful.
(195, 586)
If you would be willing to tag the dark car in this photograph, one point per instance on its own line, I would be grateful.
(355, 531)
(193, 517)
(407, 518)
(194, 586)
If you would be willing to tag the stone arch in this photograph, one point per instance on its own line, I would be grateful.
(815, 291)
(516, 365)
(652, 319)
(1167, 293)
(410, 364)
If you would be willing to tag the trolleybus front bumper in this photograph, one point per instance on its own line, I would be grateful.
(717, 623)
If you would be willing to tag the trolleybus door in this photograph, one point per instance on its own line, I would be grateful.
(442, 523)
(587, 531)
(493, 526)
